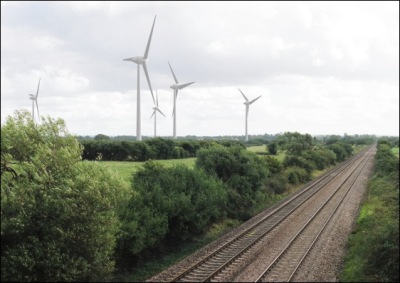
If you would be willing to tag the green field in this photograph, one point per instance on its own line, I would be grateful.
(395, 151)
(262, 150)
(125, 169)
(257, 149)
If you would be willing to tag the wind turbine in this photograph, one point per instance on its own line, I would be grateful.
(34, 101)
(176, 87)
(247, 103)
(141, 60)
(155, 108)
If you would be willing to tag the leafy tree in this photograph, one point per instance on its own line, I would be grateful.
(341, 150)
(169, 203)
(101, 137)
(163, 148)
(58, 214)
(272, 148)
(322, 158)
(295, 142)
(242, 171)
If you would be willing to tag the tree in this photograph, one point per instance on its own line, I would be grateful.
(174, 203)
(101, 137)
(272, 148)
(58, 213)
(242, 171)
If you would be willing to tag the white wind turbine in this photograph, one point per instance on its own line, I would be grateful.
(34, 101)
(141, 60)
(155, 108)
(176, 87)
(247, 103)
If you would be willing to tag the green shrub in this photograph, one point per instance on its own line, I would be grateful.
(58, 214)
(296, 175)
(169, 203)
(242, 171)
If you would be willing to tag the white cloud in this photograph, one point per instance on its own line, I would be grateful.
(323, 67)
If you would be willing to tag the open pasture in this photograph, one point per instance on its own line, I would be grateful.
(125, 169)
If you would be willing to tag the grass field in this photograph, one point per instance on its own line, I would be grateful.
(125, 169)
(262, 149)
(395, 151)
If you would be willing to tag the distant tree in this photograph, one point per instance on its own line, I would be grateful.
(101, 137)
(295, 142)
(58, 213)
(272, 148)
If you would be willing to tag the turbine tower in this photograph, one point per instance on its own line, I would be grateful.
(34, 101)
(247, 103)
(176, 87)
(155, 108)
(141, 60)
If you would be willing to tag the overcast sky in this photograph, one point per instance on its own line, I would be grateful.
(320, 67)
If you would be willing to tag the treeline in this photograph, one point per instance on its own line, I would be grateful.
(373, 254)
(64, 219)
(102, 147)
(156, 148)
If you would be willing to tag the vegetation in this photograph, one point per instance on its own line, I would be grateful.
(58, 214)
(64, 219)
(101, 148)
(241, 171)
(170, 205)
(126, 169)
(374, 245)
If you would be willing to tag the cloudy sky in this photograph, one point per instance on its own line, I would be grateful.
(320, 67)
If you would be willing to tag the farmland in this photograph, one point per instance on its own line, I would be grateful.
(125, 169)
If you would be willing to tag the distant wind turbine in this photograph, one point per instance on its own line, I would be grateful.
(34, 101)
(155, 108)
(247, 103)
(176, 87)
(139, 60)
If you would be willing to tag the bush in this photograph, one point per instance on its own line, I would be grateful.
(169, 203)
(297, 175)
(242, 171)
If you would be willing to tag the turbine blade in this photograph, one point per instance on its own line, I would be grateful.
(185, 85)
(176, 80)
(153, 114)
(247, 111)
(148, 42)
(148, 80)
(254, 100)
(157, 98)
(243, 94)
(37, 92)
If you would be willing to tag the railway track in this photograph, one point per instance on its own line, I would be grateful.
(285, 265)
(324, 191)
